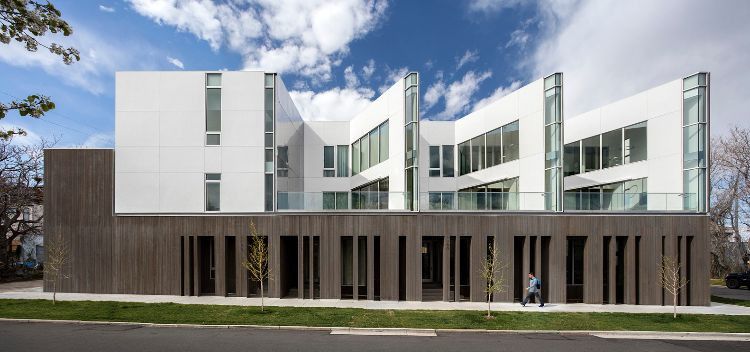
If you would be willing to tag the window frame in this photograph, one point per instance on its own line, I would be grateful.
(434, 171)
(212, 181)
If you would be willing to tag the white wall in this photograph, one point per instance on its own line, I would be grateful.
(160, 153)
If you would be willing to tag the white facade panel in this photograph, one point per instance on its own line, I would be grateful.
(181, 159)
(137, 91)
(136, 192)
(137, 159)
(182, 128)
(242, 90)
(181, 192)
(136, 129)
(242, 128)
(182, 91)
(242, 159)
(240, 192)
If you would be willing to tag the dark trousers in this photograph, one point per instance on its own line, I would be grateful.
(531, 295)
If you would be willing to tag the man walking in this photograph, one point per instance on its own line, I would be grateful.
(535, 286)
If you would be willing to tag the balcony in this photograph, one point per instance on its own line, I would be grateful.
(484, 201)
(625, 202)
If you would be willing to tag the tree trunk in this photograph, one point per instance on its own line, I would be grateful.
(489, 295)
(54, 291)
(262, 307)
(674, 304)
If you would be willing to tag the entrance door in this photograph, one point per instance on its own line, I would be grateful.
(207, 263)
(432, 268)
(574, 269)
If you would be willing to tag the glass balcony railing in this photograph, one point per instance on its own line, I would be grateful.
(596, 201)
(485, 201)
(341, 201)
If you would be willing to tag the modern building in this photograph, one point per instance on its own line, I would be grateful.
(386, 206)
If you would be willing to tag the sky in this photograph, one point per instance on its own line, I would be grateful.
(337, 56)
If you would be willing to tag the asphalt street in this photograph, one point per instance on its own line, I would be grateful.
(740, 293)
(15, 336)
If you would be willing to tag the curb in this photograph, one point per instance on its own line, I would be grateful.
(636, 335)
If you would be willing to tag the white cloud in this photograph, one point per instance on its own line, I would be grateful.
(392, 76)
(106, 8)
(350, 77)
(100, 58)
(99, 140)
(336, 104)
(305, 36)
(518, 38)
(489, 6)
(457, 96)
(30, 138)
(469, 57)
(497, 94)
(175, 62)
(368, 70)
(612, 49)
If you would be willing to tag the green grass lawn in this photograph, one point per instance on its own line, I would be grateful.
(346, 317)
(737, 302)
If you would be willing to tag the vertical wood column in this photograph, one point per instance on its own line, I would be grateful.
(526, 265)
(538, 258)
(593, 270)
(274, 247)
(370, 267)
(242, 283)
(186, 266)
(446, 268)
(457, 266)
(355, 267)
(221, 274)
(196, 267)
(505, 243)
(683, 270)
(613, 270)
(311, 265)
(300, 266)
(630, 286)
(558, 268)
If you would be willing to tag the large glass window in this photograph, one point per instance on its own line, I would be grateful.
(494, 147)
(355, 158)
(572, 159)
(269, 110)
(464, 158)
(383, 141)
(410, 145)
(434, 161)
(342, 161)
(694, 109)
(365, 154)
(612, 148)
(552, 105)
(635, 143)
(374, 147)
(411, 104)
(694, 146)
(269, 192)
(447, 161)
(510, 142)
(213, 192)
(328, 163)
(477, 153)
(371, 196)
(590, 148)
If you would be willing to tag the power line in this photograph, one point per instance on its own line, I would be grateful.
(53, 112)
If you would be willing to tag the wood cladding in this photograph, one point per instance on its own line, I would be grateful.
(151, 254)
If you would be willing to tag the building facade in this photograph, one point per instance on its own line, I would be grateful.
(386, 206)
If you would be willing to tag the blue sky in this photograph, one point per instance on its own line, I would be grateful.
(335, 56)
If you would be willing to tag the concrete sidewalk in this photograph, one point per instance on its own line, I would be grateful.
(715, 308)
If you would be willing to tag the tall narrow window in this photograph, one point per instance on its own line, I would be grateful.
(342, 161)
(477, 153)
(434, 161)
(213, 109)
(365, 152)
(328, 162)
(411, 144)
(213, 192)
(448, 161)
(695, 141)
(553, 141)
(268, 129)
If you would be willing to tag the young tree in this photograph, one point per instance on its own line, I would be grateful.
(26, 21)
(57, 258)
(493, 273)
(21, 187)
(257, 261)
(670, 278)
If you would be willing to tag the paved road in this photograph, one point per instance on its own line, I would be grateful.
(71, 337)
(22, 286)
(722, 291)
